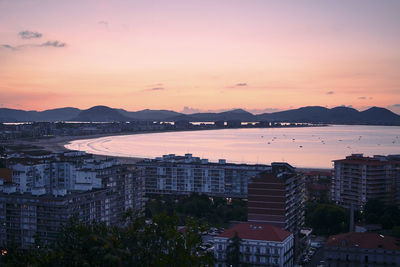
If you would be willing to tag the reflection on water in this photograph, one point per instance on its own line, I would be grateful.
(302, 147)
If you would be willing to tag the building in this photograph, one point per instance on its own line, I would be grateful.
(183, 175)
(27, 219)
(277, 198)
(262, 245)
(318, 185)
(46, 191)
(357, 179)
(362, 249)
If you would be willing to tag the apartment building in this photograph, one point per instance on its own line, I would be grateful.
(362, 249)
(261, 245)
(277, 198)
(183, 175)
(46, 191)
(27, 219)
(357, 179)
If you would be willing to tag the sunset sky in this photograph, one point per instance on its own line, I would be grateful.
(200, 55)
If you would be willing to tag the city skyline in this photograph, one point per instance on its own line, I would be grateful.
(199, 56)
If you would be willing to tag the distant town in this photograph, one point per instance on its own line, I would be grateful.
(228, 214)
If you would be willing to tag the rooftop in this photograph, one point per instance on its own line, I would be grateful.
(256, 231)
(375, 160)
(364, 240)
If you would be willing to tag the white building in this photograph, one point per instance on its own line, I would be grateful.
(183, 175)
(32, 175)
(262, 245)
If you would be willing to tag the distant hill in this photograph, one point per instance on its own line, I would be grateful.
(312, 114)
(148, 114)
(338, 115)
(59, 114)
(236, 114)
(101, 114)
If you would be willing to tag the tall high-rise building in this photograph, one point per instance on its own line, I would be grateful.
(357, 179)
(277, 198)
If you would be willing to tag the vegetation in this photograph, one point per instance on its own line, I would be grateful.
(137, 244)
(386, 215)
(233, 253)
(327, 219)
(214, 211)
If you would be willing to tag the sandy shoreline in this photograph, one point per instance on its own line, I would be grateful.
(57, 145)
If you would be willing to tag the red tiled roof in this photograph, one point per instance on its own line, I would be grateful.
(364, 240)
(6, 174)
(256, 231)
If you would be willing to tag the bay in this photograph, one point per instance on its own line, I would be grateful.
(307, 147)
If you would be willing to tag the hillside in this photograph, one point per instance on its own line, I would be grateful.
(312, 114)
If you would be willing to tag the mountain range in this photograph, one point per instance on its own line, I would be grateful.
(312, 114)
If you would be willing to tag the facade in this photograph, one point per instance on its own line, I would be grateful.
(262, 245)
(26, 219)
(357, 179)
(318, 185)
(45, 192)
(277, 198)
(183, 175)
(362, 249)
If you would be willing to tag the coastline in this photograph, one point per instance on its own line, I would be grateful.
(57, 144)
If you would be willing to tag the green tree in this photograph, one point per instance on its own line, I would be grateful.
(387, 215)
(137, 244)
(329, 219)
(233, 254)
(373, 211)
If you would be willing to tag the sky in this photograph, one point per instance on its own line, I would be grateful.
(202, 55)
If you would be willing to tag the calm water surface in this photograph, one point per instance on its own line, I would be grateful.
(314, 147)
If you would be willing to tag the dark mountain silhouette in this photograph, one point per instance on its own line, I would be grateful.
(236, 114)
(376, 115)
(148, 114)
(101, 114)
(338, 115)
(59, 114)
(312, 114)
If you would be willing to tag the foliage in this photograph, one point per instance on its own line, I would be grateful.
(137, 244)
(327, 219)
(233, 253)
(377, 212)
(396, 231)
(214, 211)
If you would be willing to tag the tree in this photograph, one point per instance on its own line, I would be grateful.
(387, 215)
(137, 244)
(233, 254)
(373, 210)
(329, 219)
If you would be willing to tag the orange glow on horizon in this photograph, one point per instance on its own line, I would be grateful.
(206, 56)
